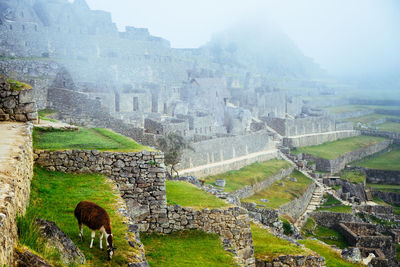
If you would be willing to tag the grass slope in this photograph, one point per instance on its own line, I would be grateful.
(250, 174)
(48, 201)
(84, 138)
(187, 195)
(370, 118)
(332, 257)
(389, 127)
(332, 150)
(351, 108)
(185, 248)
(278, 195)
(329, 236)
(385, 161)
(353, 176)
(268, 246)
(338, 209)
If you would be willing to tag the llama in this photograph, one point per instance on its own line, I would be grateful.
(368, 259)
(96, 218)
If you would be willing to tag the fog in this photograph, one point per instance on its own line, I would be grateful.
(345, 37)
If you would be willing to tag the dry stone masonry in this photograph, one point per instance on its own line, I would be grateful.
(16, 104)
(16, 172)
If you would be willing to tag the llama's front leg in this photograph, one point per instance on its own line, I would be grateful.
(101, 240)
(93, 235)
(80, 232)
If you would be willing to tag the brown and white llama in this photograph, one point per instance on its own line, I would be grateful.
(96, 218)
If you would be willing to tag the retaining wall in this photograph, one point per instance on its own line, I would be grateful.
(292, 261)
(317, 139)
(390, 135)
(16, 105)
(140, 176)
(16, 172)
(298, 206)
(267, 217)
(231, 224)
(389, 197)
(332, 219)
(339, 163)
(382, 176)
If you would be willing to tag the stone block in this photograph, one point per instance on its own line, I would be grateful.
(26, 96)
(20, 117)
(4, 117)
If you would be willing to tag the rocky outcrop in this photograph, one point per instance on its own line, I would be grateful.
(16, 104)
(70, 254)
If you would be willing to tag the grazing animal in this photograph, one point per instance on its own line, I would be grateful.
(368, 259)
(96, 218)
(299, 165)
(202, 182)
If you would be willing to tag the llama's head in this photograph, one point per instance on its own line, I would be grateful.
(110, 247)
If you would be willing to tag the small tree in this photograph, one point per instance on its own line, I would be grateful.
(173, 145)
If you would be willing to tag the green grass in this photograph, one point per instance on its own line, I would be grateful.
(386, 161)
(185, 248)
(278, 195)
(17, 85)
(268, 246)
(329, 236)
(371, 118)
(48, 201)
(332, 257)
(46, 112)
(250, 174)
(330, 201)
(389, 127)
(84, 138)
(187, 195)
(353, 177)
(338, 209)
(332, 150)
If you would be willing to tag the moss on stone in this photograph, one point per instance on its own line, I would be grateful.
(18, 86)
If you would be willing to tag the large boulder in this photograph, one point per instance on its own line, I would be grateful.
(23, 258)
(70, 254)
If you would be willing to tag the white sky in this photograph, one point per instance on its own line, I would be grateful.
(342, 35)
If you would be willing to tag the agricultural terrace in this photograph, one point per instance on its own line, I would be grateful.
(353, 108)
(332, 150)
(387, 161)
(268, 246)
(48, 201)
(371, 118)
(389, 127)
(188, 195)
(250, 174)
(84, 138)
(279, 194)
(185, 248)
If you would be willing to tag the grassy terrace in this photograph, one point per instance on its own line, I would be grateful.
(389, 127)
(332, 257)
(329, 236)
(385, 161)
(353, 176)
(278, 195)
(268, 246)
(250, 174)
(187, 195)
(48, 201)
(84, 138)
(385, 187)
(333, 205)
(332, 150)
(185, 248)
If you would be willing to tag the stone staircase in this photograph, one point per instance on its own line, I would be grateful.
(313, 205)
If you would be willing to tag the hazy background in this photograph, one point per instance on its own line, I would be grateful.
(346, 37)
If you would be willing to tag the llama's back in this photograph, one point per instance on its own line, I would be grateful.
(91, 215)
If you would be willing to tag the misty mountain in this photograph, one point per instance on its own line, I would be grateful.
(265, 50)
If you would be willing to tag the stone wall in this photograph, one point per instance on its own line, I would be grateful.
(317, 139)
(390, 135)
(230, 224)
(332, 219)
(267, 217)
(352, 114)
(225, 148)
(389, 197)
(339, 163)
(140, 176)
(16, 172)
(292, 261)
(250, 190)
(16, 104)
(297, 207)
(382, 176)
